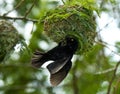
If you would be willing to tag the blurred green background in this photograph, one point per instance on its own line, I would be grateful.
(90, 73)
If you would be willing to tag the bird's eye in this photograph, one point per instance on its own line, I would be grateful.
(72, 39)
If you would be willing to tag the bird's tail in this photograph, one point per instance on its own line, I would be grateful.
(59, 76)
(37, 59)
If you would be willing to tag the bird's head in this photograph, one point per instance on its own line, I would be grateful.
(72, 43)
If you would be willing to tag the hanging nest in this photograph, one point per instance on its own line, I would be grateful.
(9, 37)
(74, 21)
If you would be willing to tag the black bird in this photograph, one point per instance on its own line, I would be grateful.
(61, 55)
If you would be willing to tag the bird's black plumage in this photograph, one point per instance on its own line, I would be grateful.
(61, 55)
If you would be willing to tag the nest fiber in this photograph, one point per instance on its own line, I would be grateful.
(9, 37)
(75, 21)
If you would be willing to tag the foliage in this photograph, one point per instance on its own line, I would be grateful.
(92, 73)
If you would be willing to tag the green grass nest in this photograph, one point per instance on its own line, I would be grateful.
(75, 21)
(9, 37)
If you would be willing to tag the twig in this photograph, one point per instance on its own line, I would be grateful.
(104, 26)
(29, 10)
(22, 17)
(113, 77)
(105, 71)
(19, 18)
(109, 44)
(107, 47)
(63, 1)
(17, 6)
(116, 86)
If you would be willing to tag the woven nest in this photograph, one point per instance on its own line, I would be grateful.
(75, 21)
(9, 37)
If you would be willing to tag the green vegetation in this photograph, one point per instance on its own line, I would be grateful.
(47, 21)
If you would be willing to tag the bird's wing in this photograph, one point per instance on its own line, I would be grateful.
(56, 78)
(57, 65)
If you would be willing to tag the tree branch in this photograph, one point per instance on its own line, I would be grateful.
(116, 86)
(17, 6)
(104, 44)
(113, 77)
(19, 18)
(22, 17)
(104, 26)
(29, 10)
(63, 2)
(105, 71)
